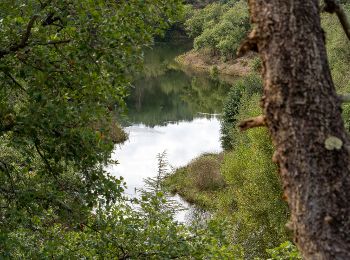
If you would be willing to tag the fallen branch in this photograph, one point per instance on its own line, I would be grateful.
(252, 123)
(331, 6)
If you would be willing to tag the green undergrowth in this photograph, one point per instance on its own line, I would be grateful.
(260, 213)
(241, 185)
(185, 182)
(250, 194)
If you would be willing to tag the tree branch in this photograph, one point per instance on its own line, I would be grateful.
(344, 98)
(5, 168)
(333, 7)
(47, 163)
(24, 40)
(14, 81)
(249, 44)
(52, 42)
(252, 123)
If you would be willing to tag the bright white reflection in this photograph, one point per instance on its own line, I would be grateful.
(183, 141)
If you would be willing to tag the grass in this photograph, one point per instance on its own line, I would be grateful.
(250, 195)
(200, 182)
(250, 198)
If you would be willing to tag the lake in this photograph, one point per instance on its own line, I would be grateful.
(172, 111)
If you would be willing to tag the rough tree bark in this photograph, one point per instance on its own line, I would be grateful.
(303, 114)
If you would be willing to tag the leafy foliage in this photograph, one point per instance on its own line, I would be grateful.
(285, 251)
(219, 27)
(140, 228)
(65, 67)
(260, 212)
(249, 85)
(251, 201)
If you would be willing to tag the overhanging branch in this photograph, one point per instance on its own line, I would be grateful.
(15, 81)
(249, 44)
(334, 7)
(252, 123)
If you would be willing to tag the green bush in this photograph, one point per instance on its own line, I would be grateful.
(205, 173)
(251, 200)
(285, 251)
(214, 72)
(249, 85)
(260, 214)
(219, 27)
(201, 17)
(256, 64)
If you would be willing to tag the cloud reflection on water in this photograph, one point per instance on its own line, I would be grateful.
(183, 141)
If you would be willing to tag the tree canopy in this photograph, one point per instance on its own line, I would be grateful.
(219, 27)
(65, 68)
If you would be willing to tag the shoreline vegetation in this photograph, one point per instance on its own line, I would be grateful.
(194, 188)
(200, 61)
(241, 185)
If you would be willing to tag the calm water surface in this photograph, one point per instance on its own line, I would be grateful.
(166, 110)
(182, 141)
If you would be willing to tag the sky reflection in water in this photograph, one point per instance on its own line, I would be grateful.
(183, 141)
(164, 93)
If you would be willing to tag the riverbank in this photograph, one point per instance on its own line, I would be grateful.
(201, 61)
(200, 182)
(240, 186)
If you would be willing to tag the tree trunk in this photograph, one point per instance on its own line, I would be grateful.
(303, 115)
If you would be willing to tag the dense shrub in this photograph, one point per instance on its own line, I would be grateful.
(205, 173)
(199, 18)
(219, 27)
(260, 212)
(285, 251)
(249, 85)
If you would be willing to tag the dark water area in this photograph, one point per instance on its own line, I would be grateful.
(165, 94)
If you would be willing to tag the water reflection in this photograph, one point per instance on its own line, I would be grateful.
(191, 214)
(166, 113)
(183, 141)
(164, 93)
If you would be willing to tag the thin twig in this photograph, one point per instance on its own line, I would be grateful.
(44, 159)
(7, 171)
(15, 81)
(344, 98)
